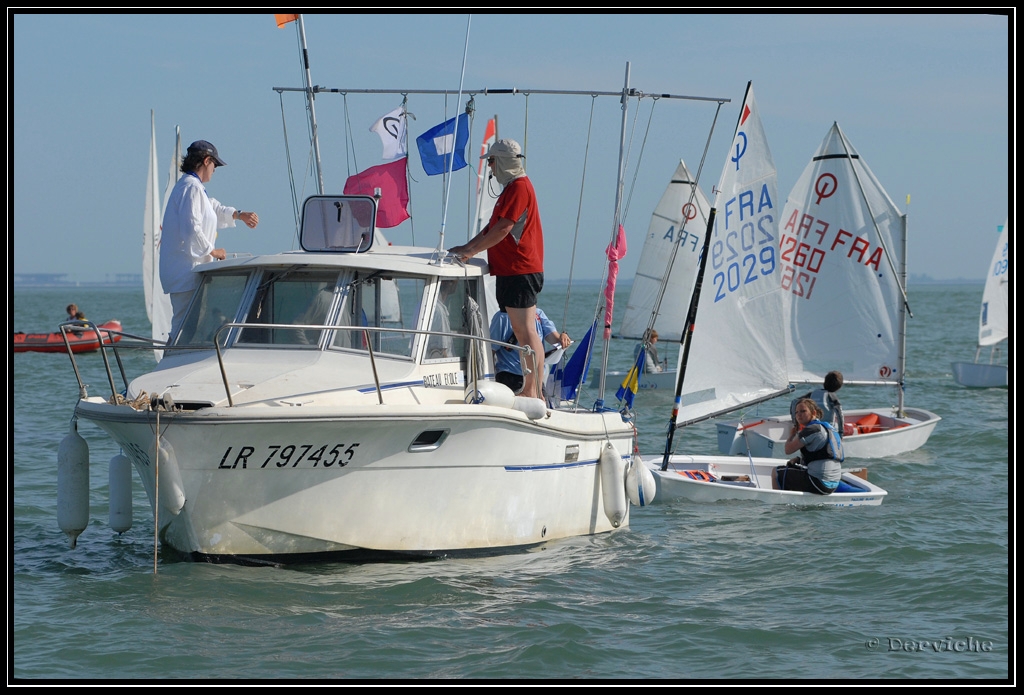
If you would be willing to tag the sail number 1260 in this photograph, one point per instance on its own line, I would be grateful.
(289, 455)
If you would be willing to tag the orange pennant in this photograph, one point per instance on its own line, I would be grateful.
(283, 19)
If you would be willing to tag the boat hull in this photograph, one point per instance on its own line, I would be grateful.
(980, 375)
(767, 437)
(84, 341)
(238, 483)
(656, 381)
(747, 480)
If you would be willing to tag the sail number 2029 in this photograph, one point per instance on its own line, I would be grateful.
(743, 256)
(289, 455)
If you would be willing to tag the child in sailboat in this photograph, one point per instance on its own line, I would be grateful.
(651, 363)
(826, 400)
(818, 468)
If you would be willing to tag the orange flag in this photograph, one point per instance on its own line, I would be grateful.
(283, 19)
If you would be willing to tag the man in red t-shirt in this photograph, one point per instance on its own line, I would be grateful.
(515, 242)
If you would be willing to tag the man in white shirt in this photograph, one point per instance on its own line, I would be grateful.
(190, 228)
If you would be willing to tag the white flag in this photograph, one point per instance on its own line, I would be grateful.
(391, 129)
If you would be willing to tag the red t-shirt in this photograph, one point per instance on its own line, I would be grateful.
(522, 250)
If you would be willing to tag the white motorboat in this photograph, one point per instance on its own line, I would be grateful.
(993, 323)
(339, 399)
(320, 424)
(733, 337)
(842, 250)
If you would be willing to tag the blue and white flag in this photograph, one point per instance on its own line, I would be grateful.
(631, 384)
(444, 146)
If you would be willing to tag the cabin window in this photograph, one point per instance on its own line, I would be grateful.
(381, 302)
(215, 303)
(298, 298)
(457, 310)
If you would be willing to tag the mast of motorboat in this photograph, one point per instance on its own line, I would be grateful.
(310, 104)
(619, 183)
(440, 253)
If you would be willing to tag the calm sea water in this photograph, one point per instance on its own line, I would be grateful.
(914, 589)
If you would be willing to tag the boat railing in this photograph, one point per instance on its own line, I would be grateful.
(145, 343)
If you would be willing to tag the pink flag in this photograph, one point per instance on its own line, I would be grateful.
(614, 252)
(393, 208)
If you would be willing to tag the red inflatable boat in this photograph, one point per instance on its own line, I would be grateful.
(81, 341)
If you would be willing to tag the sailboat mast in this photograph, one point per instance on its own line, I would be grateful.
(310, 106)
(687, 337)
(616, 220)
(902, 357)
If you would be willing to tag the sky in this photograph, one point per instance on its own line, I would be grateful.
(924, 98)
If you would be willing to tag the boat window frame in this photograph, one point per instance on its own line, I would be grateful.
(342, 203)
(352, 289)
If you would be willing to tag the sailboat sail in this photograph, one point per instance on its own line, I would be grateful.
(737, 341)
(158, 304)
(841, 245)
(993, 325)
(680, 219)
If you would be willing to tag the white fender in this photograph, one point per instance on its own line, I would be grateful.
(172, 493)
(120, 477)
(640, 484)
(73, 484)
(490, 393)
(612, 489)
(534, 408)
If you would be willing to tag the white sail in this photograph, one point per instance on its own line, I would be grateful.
(993, 326)
(158, 304)
(674, 238)
(485, 200)
(736, 353)
(842, 244)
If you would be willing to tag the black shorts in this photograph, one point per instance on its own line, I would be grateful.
(513, 381)
(518, 291)
(796, 477)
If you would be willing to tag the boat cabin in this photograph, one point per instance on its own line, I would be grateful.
(346, 290)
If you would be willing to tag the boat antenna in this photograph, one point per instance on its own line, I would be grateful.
(451, 158)
(310, 104)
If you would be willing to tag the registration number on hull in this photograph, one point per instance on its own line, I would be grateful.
(288, 456)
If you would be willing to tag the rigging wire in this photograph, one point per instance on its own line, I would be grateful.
(675, 247)
(350, 143)
(291, 173)
(451, 159)
(579, 212)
